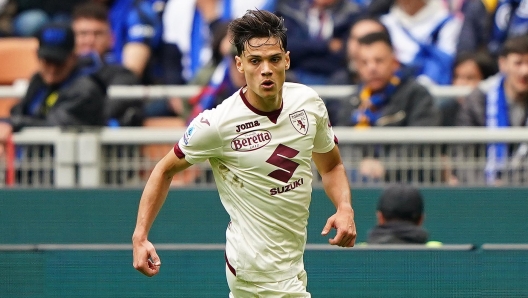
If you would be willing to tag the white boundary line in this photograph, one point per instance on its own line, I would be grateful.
(505, 246)
(202, 247)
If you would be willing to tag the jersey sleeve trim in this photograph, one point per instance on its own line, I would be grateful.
(179, 153)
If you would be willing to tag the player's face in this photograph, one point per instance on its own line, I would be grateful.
(376, 65)
(91, 35)
(264, 64)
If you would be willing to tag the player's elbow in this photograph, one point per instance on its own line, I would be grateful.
(164, 169)
(171, 164)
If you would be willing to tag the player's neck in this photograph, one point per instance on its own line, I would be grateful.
(264, 104)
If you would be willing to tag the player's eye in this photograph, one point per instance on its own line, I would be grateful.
(253, 61)
(275, 59)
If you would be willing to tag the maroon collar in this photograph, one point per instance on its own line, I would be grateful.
(272, 116)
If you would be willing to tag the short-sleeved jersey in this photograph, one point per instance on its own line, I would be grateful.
(262, 167)
(134, 21)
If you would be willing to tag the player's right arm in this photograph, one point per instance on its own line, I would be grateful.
(146, 259)
(200, 142)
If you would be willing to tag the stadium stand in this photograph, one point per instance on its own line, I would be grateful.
(18, 62)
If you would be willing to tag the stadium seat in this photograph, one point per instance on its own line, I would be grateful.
(19, 61)
(156, 152)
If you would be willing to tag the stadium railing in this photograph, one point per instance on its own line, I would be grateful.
(119, 157)
(187, 91)
(49, 157)
(40, 157)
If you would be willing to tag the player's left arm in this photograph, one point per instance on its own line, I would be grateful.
(336, 186)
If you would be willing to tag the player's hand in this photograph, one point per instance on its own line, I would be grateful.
(343, 222)
(146, 260)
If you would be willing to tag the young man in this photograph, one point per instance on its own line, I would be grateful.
(59, 94)
(424, 34)
(504, 104)
(92, 30)
(317, 30)
(136, 30)
(260, 143)
(388, 96)
(93, 42)
(360, 28)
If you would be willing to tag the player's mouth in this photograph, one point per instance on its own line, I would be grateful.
(267, 84)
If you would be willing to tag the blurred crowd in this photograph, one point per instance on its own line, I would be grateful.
(392, 50)
(176, 42)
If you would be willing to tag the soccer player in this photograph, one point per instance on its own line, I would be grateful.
(260, 143)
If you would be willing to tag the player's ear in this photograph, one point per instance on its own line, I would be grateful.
(287, 58)
(239, 65)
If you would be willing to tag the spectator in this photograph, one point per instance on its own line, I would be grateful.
(388, 96)
(172, 58)
(60, 94)
(379, 7)
(317, 31)
(504, 104)
(33, 14)
(137, 30)
(475, 33)
(400, 214)
(93, 42)
(349, 75)
(225, 80)
(189, 25)
(469, 70)
(92, 30)
(360, 28)
(510, 19)
(7, 13)
(362, 3)
(424, 34)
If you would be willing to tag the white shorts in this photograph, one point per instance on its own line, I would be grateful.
(294, 287)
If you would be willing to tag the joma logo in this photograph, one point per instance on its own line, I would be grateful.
(247, 125)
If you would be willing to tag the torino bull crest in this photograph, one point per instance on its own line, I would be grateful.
(299, 120)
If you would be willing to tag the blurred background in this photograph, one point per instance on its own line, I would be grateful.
(427, 93)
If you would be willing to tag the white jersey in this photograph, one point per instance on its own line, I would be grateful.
(262, 166)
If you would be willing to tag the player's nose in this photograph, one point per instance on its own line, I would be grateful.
(265, 70)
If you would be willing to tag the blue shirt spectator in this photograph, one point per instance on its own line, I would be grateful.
(134, 23)
(317, 31)
(511, 19)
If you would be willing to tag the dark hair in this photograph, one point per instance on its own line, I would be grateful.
(90, 10)
(485, 62)
(401, 202)
(255, 24)
(371, 19)
(515, 45)
(376, 37)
